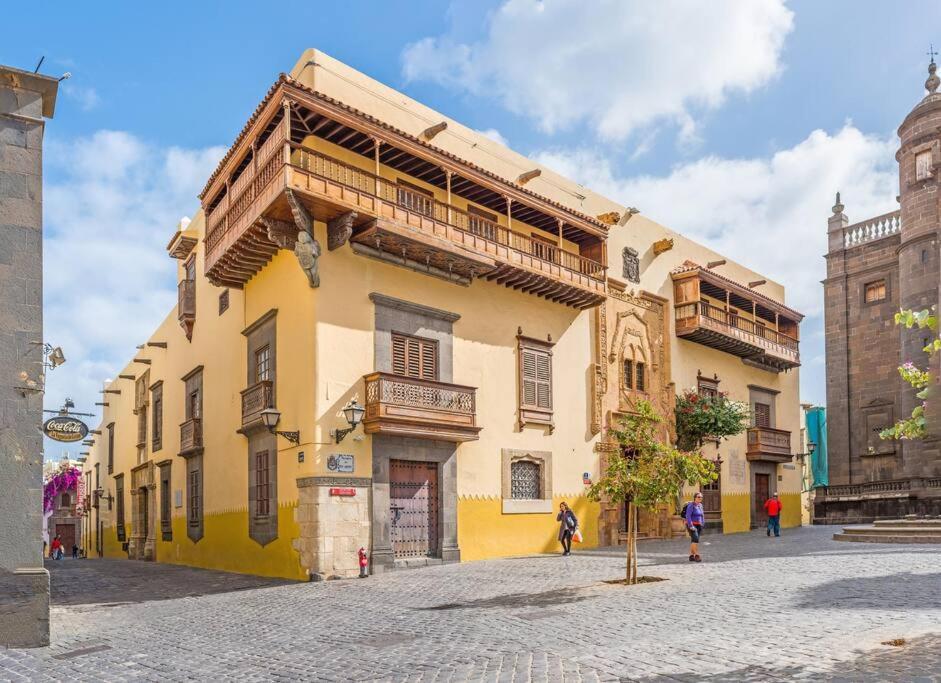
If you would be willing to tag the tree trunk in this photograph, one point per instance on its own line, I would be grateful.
(636, 520)
(631, 544)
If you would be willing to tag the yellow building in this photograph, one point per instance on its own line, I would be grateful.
(354, 245)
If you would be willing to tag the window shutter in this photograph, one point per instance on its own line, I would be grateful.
(528, 376)
(543, 381)
(414, 357)
(640, 383)
(399, 365)
(762, 415)
(429, 360)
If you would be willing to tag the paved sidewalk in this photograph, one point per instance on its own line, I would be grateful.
(796, 608)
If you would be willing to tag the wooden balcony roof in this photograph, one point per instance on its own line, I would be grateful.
(321, 115)
(691, 269)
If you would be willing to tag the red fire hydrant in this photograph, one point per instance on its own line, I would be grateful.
(363, 563)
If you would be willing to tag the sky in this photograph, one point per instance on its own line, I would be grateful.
(732, 122)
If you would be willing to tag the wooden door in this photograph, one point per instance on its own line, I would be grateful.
(712, 500)
(762, 493)
(66, 534)
(413, 508)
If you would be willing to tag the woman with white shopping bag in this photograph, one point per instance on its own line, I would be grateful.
(568, 528)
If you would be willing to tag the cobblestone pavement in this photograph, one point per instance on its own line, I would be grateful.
(757, 609)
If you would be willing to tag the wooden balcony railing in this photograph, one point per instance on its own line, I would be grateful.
(255, 399)
(186, 299)
(310, 171)
(419, 408)
(710, 325)
(765, 443)
(191, 435)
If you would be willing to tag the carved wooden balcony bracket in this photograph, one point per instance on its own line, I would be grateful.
(339, 230)
(662, 246)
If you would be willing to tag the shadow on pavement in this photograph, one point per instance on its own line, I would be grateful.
(119, 582)
(562, 596)
(873, 592)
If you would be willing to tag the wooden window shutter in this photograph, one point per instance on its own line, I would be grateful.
(762, 415)
(528, 376)
(399, 366)
(535, 381)
(544, 381)
(414, 357)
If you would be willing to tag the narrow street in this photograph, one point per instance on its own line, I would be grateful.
(798, 607)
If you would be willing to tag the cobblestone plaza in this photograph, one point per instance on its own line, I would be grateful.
(798, 607)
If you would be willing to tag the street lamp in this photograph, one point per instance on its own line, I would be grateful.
(100, 495)
(354, 415)
(270, 418)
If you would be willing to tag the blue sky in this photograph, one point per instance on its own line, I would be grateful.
(733, 122)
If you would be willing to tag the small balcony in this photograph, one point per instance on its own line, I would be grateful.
(186, 306)
(718, 313)
(337, 163)
(404, 406)
(255, 399)
(191, 436)
(769, 445)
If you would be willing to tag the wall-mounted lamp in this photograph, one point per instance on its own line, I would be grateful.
(354, 415)
(270, 418)
(100, 494)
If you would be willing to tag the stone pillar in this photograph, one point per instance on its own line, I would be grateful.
(837, 347)
(332, 527)
(919, 158)
(26, 99)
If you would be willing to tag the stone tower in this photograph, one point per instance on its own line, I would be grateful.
(26, 100)
(919, 159)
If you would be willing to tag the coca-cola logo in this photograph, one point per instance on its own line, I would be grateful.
(64, 428)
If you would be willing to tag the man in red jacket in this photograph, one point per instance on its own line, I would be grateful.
(773, 508)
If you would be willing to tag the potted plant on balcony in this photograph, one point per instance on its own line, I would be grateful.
(708, 416)
(649, 474)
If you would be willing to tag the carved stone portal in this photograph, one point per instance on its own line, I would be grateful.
(631, 265)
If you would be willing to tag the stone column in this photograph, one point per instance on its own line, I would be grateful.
(26, 99)
(837, 347)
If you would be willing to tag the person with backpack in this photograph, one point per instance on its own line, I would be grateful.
(695, 519)
(568, 525)
(773, 508)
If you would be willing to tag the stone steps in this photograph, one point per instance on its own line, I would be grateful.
(894, 531)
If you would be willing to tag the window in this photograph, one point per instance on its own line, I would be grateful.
(262, 485)
(414, 356)
(525, 478)
(635, 376)
(224, 301)
(190, 268)
(923, 165)
(762, 415)
(66, 500)
(156, 428)
(119, 496)
(535, 381)
(415, 198)
(263, 363)
(166, 524)
(875, 291)
(708, 387)
(110, 448)
(194, 498)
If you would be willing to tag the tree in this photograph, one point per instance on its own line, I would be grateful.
(650, 473)
(708, 416)
(916, 425)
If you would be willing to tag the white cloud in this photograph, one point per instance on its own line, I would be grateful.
(769, 214)
(111, 203)
(494, 135)
(87, 98)
(617, 65)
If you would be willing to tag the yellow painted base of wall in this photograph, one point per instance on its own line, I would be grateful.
(791, 510)
(483, 531)
(226, 546)
(736, 512)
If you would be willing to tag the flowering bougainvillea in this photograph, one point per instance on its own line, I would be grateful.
(701, 416)
(63, 480)
(915, 426)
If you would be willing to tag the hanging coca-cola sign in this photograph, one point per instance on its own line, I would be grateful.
(65, 428)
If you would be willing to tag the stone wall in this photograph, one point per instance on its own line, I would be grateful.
(25, 99)
(332, 527)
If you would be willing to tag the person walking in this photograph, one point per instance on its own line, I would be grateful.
(55, 549)
(74, 551)
(773, 508)
(568, 523)
(695, 518)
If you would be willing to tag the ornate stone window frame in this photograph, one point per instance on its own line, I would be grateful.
(516, 506)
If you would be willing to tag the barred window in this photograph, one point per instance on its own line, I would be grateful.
(640, 378)
(262, 485)
(628, 374)
(263, 363)
(223, 301)
(194, 506)
(525, 480)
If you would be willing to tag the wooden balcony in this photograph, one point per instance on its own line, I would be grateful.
(274, 174)
(186, 306)
(418, 408)
(255, 399)
(770, 445)
(762, 332)
(191, 437)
